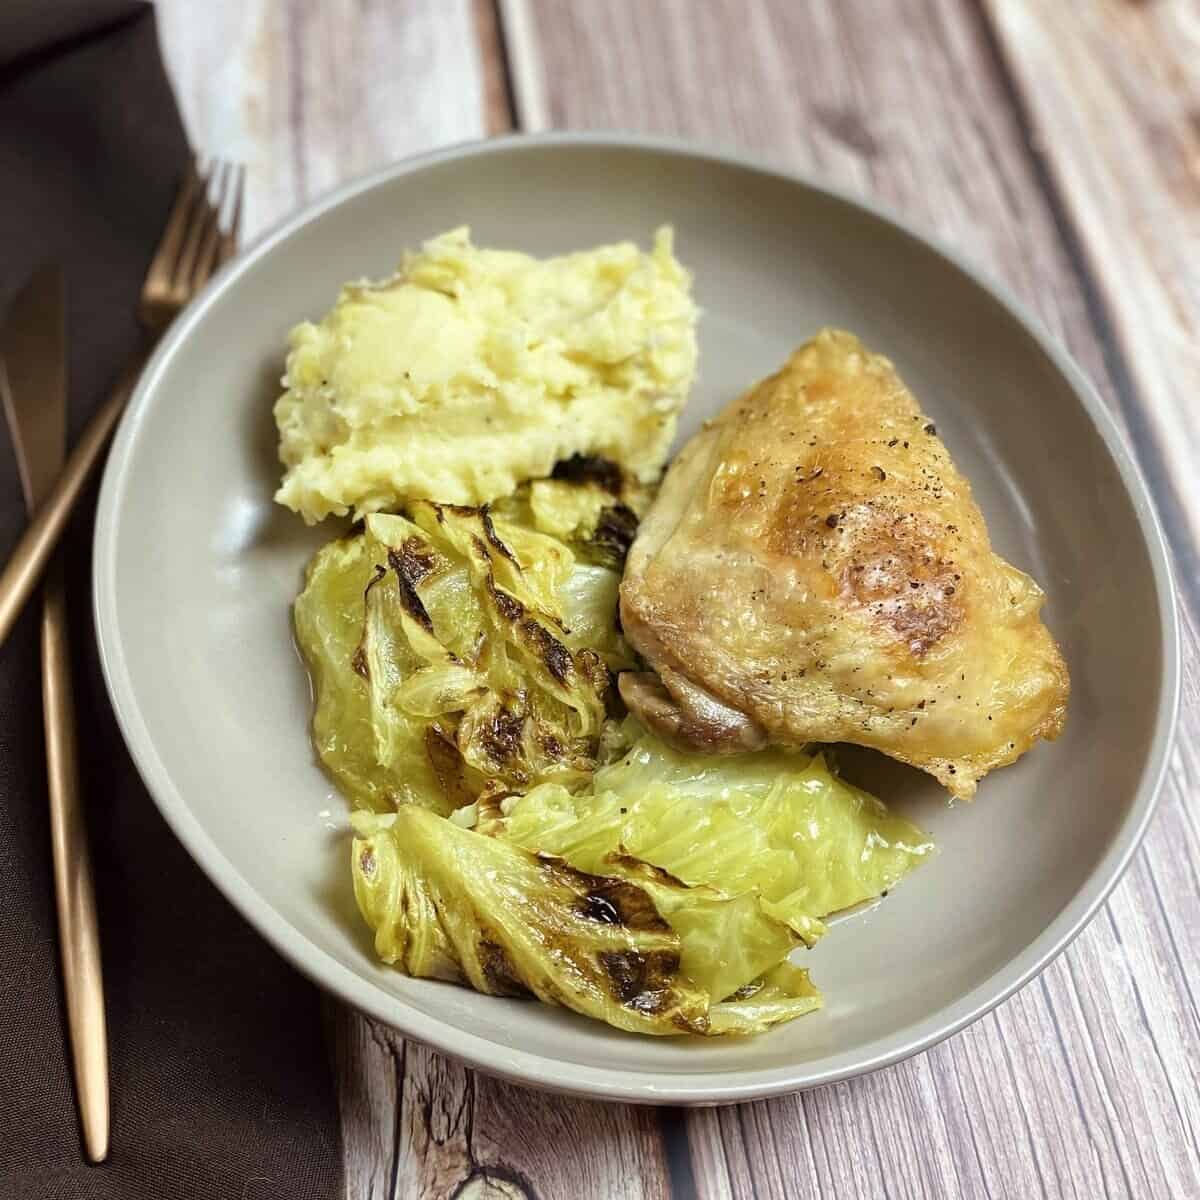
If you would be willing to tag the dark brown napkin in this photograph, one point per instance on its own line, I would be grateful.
(220, 1079)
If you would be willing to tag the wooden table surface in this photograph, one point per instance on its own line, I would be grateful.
(1057, 143)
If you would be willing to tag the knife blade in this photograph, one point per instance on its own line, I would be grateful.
(33, 350)
(33, 393)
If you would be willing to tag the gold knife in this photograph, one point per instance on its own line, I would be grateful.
(33, 388)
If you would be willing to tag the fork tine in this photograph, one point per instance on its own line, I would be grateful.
(194, 243)
(206, 257)
(202, 216)
(232, 233)
(167, 252)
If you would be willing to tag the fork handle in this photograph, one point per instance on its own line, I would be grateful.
(33, 551)
(74, 892)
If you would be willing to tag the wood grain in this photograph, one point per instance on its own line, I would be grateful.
(1028, 133)
(422, 1126)
(310, 93)
(493, 63)
(1084, 1084)
(1111, 91)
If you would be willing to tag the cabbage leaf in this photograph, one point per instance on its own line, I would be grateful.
(451, 651)
(454, 904)
(781, 825)
(781, 995)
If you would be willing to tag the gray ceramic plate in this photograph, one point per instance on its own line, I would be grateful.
(195, 569)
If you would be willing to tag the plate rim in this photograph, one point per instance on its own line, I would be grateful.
(649, 1086)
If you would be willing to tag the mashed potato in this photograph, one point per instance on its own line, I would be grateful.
(473, 370)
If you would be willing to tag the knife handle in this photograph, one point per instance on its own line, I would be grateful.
(74, 892)
(33, 551)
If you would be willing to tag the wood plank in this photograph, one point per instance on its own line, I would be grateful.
(425, 1127)
(523, 52)
(1112, 93)
(497, 99)
(1086, 1083)
(309, 95)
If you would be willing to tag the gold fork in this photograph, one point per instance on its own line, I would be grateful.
(199, 237)
(194, 243)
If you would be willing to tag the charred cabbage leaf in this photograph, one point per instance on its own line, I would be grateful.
(452, 649)
(780, 825)
(726, 942)
(632, 947)
(589, 504)
(783, 994)
(328, 617)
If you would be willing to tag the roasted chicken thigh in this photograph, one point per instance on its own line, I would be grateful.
(815, 568)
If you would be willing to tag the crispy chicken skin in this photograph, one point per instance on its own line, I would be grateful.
(815, 569)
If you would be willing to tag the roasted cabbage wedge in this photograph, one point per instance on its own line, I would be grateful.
(779, 825)
(632, 947)
(455, 648)
(736, 860)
